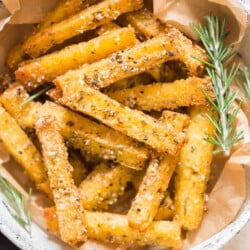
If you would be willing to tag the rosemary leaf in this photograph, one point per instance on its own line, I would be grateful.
(16, 200)
(36, 95)
(213, 35)
(243, 82)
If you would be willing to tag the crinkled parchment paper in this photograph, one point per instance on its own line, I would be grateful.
(228, 193)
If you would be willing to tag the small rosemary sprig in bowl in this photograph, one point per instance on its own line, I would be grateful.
(16, 200)
(212, 36)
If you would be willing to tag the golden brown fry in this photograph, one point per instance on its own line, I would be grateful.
(166, 209)
(69, 211)
(23, 150)
(88, 100)
(97, 139)
(46, 68)
(26, 114)
(86, 19)
(113, 228)
(159, 96)
(80, 172)
(151, 192)
(136, 60)
(129, 82)
(63, 10)
(81, 132)
(193, 170)
(153, 186)
(145, 23)
(107, 27)
(104, 185)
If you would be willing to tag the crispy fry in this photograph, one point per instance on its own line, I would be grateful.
(193, 170)
(26, 114)
(107, 27)
(97, 139)
(113, 228)
(63, 10)
(46, 68)
(104, 185)
(87, 19)
(148, 26)
(145, 23)
(135, 60)
(159, 96)
(80, 172)
(86, 99)
(23, 150)
(151, 192)
(166, 209)
(81, 132)
(129, 82)
(70, 213)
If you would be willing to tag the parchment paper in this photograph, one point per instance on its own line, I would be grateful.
(228, 194)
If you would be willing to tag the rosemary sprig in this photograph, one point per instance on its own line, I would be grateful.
(16, 199)
(36, 94)
(243, 82)
(213, 35)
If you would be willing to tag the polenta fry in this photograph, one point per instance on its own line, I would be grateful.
(63, 10)
(151, 192)
(80, 172)
(113, 228)
(193, 170)
(104, 185)
(166, 209)
(23, 150)
(80, 132)
(159, 96)
(145, 23)
(48, 67)
(69, 211)
(97, 139)
(107, 27)
(26, 114)
(88, 100)
(135, 60)
(86, 19)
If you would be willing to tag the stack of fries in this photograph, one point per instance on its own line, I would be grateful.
(126, 115)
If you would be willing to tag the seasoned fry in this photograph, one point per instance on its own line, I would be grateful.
(97, 139)
(46, 68)
(70, 213)
(193, 170)
(23, 150)
(159, 96)
(113, 228)
(151, 192)
(166, 209)
(129, 82)
(104, 185)
(144, 22)
(81, 132)
(135, 60)
(86, 99)
(86, 19)
(107, 27)
(26, 114)
(63, 10)
(80, 172)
